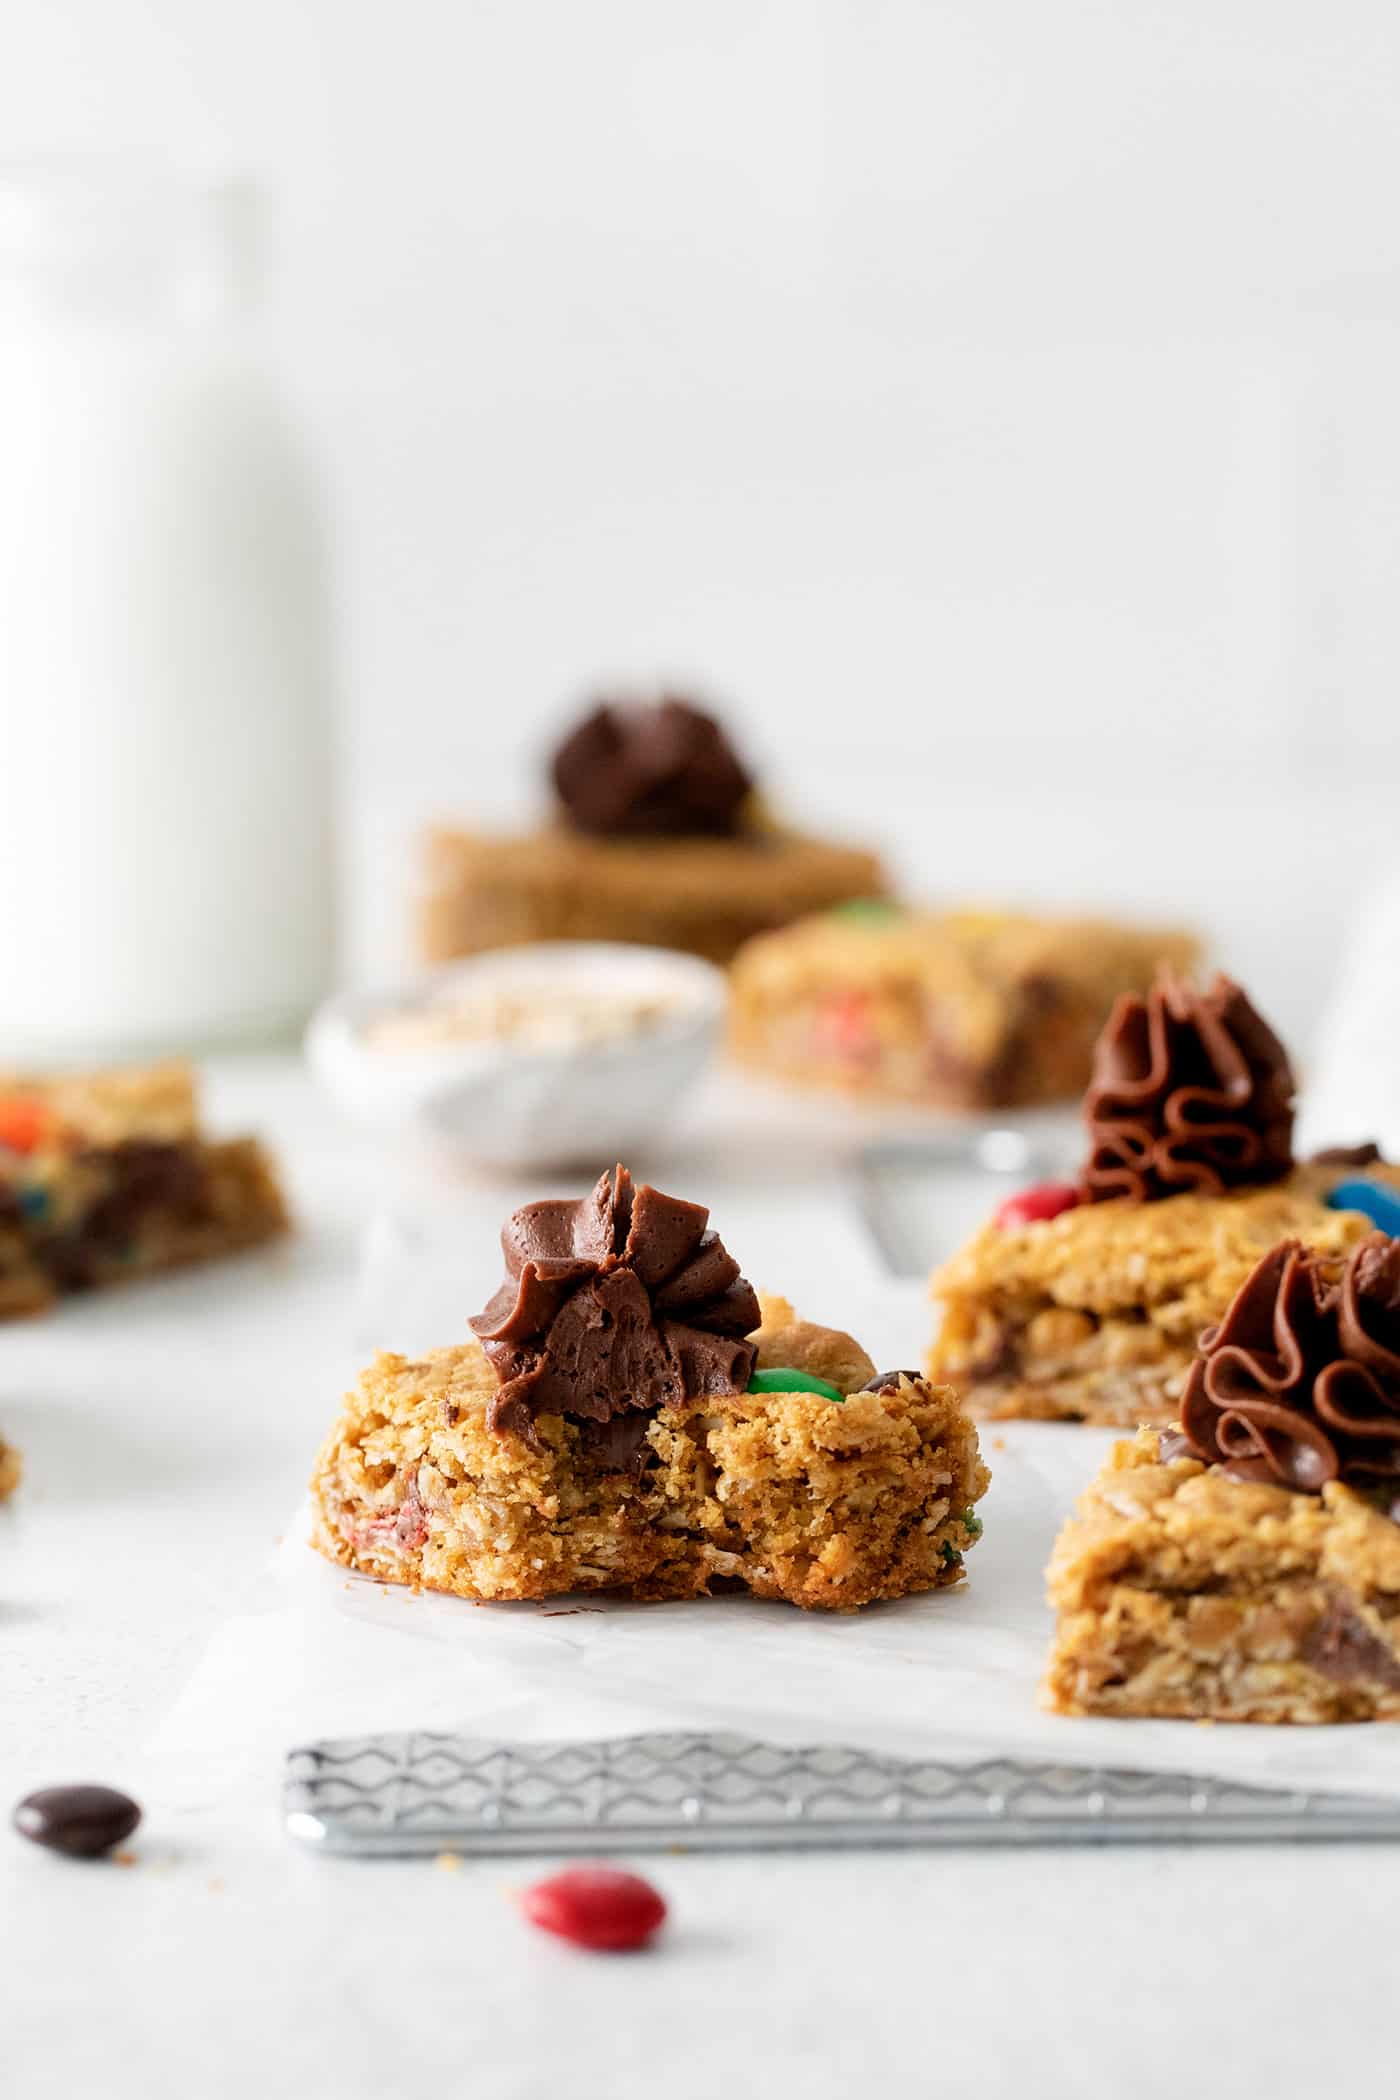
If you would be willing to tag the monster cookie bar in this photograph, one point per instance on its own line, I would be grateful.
(9, 1469)
(1247, 1566)
(106, 1175)
(632, 1417)
(1083, 1302)
(964, 1010)
(656, 838)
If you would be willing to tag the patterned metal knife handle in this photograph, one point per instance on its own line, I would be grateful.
(433, 1793)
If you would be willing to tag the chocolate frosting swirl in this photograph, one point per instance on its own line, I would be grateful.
(1300, 1382)
(632, 770)
(619, 1302)
(1190, 1090)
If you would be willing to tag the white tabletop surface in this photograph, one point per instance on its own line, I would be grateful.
(167, 1433)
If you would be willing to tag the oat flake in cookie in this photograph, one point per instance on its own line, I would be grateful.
(1247, 1566)
(635, 1417)
(1091, 1311)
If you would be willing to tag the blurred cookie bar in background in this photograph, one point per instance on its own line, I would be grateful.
(956, 1009)
(657, 835)
(105, 1176)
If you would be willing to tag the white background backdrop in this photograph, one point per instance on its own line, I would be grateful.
(993, 403)
(996, 400)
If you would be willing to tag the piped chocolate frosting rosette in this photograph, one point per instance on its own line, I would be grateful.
(665, 769)
(612, 1307)
(1300, 1382)
(1191, 1090)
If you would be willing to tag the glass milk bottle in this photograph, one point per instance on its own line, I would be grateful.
(165, 776)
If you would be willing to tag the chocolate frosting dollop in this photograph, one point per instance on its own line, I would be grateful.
(1190, 1090)
(633, 769)
(622, 1301)
(1300, 1382)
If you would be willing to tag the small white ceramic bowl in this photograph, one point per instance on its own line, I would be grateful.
(508, 1103)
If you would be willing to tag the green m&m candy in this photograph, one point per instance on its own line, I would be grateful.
(785, 1380)
(870, 909)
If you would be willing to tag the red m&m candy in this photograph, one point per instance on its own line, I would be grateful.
(596, 1906)
(843, 1027)
(1033, 1206)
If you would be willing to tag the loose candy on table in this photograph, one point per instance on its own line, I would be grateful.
(83, 1821)
(1036, 1206)
(1373, 1199)
(602, 1908)
(786, 1380)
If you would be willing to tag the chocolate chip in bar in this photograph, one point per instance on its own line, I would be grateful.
(83, 1821)
(886, 1381)
(1343, 1647)
(1368, 1154)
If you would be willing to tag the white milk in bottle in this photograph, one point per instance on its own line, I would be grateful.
(165, 778)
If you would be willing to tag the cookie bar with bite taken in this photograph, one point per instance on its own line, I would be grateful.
(1083, 1302)
(961, 1009)
(106, 1176)
(1246, 1567)
(630, 1416)
(656, 836)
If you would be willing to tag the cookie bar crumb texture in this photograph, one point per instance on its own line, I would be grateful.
(827, 1505)
(1184, 1594)
(1094, 1315)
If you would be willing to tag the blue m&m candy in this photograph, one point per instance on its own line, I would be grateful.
(1373, 1199)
